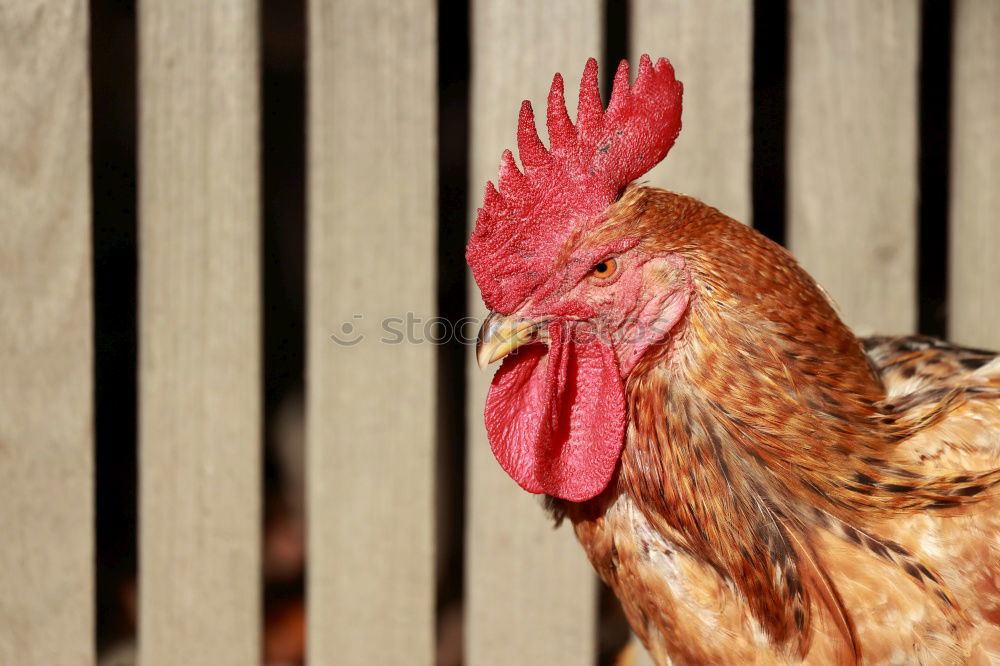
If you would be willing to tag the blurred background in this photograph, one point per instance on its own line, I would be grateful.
(283, 181)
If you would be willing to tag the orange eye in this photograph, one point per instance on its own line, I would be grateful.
(605, 268)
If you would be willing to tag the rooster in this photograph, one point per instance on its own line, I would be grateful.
(756, 484)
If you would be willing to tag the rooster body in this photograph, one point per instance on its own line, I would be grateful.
(674, 535)
(753, 482)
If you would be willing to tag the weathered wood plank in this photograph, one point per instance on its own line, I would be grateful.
(852, 142)
(370, 406)
(710, 44)
(199, 318)
(530, 594)
(974, 284)
(46, 347)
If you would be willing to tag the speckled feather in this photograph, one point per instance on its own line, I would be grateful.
(787, 493)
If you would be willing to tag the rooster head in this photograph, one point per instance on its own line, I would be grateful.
(569, 282)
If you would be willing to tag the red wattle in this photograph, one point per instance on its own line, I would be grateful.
(555, 416)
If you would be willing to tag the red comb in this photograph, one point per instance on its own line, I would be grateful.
(522, 226)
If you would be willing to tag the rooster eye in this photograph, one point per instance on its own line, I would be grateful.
(605, 268)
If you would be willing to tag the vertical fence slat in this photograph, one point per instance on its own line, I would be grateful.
(974, 316)
(370, 406)
(852, 155)
(530, 593)
(46, 350)
(710, 43)
(199, 317)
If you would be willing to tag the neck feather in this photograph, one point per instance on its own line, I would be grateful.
(759, 422)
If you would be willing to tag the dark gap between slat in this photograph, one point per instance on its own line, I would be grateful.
(616, 45)
(770, 99)
(283, 148)
(113, 184)
(934, 152)
(453, 71)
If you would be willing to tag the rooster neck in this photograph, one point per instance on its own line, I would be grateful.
(680, 467)
(789, 402)
(744, 425)
(708, 457)
(751, 429)
(764, 364)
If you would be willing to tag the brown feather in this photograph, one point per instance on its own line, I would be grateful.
(776, 465)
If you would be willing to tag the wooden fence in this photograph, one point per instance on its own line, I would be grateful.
(852, 165)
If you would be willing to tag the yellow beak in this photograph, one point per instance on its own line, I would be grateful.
(501, 335)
